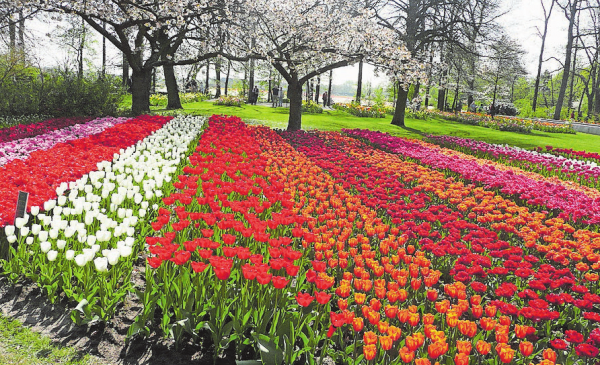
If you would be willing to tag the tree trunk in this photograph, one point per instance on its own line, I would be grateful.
(541, 58)
(12, 34)
(295, 96)
(359, 85)
(329, 89)
(80, 50)
(318, 89)
(140, 91)
(269, 95)
(21, 31)
(218, 78)
(103, 51)
(227, 76)
(207, 76)
(173, 101)
(597, 96)
(572, 79)
(125, 67)
(398, 118)
(567, 70)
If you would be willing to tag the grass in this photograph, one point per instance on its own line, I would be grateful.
(336, 120)
(20, 345)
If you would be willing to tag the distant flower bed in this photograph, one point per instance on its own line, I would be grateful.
(229, 101)
(12, 120)
(161, 99)
(310, 107)
(506, 123)
(364, 111)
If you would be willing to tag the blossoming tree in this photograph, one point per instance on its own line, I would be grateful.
(149, 33)
(303, 39)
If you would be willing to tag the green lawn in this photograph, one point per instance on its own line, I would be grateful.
(336, 120)
(20, 345)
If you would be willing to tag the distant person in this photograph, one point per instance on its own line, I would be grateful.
(274, 96)
(254, 95)
(280, 96)
(473, 107)
(129, 85)
(573, 114)
(492, 110)
(325, 96)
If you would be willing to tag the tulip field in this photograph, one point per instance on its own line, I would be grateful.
(294, 247)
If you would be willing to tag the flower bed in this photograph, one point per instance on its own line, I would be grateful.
(229, 101)
(570, 153)
(45, 170)
(22, 148)
(11, 121)
(32, 130)
(584, 173)
(363, 111)
(575, 203)
(501, 123)
(85, 243)
(297, 246)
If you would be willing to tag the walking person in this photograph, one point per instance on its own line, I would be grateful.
(255, 93)
(274, 96)
(325, 99)
(280, 96)
(492, 110)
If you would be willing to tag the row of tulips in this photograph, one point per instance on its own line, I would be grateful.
(511, 124)
(22, 148)
(31, 130)
(567, 200)
(356, 254)
(508, 274)
(44, 171)
(570, 153)
(86, 241)
(583, 172)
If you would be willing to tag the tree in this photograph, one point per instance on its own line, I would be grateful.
(541, 58)
(304, 39)
(503, 65)
(138, 28)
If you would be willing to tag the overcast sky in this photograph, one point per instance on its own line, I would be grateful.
(520, 22)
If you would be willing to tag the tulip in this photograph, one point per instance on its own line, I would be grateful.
(52, 254)
(81, 260)
(69, 255)
(101, 264)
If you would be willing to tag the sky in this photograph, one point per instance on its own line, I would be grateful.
(521, 21)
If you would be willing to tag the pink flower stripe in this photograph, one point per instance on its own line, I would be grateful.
(22, 148)
(570, 204)
(32, 130)
(45, 170)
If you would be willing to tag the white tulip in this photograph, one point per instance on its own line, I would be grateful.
(144, 205)
(113, 257)
(60, 244)
(45, 246)
(49, 205)
(129, 241)
(35, 210)
(11, 238)
(62, 200)
(125, 251)
(36, 229)
(57, 211)
(29, 240)
(67, 211)
(80, 260)
(121, 213)
(53, 233)
(89, 254)
(24, 231)
(9, 230)
(69, 255)
(20, 222)
(69, 231)
(43, 236)
(52, 255)
(91, 240)
(101, 264)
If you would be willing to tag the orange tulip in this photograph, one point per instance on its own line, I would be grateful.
(412, 343)
(360, 298)
(487, 323)
(383, 327)
(394, 332)
(521, 331)
(477, 311)
(406, 355)
(461, 359)
(358, 324)
(443, 306)
(422, 361)
(490, 310)
(476, 300)
(413, 319)
(504, 320)
(505, 353)
(403, 315)
(369, 351)
(549, 354)
(391, 311)
(526, 348)
(370, 338)
(437, 349)
(428, 318)
(464, 347)
(432, 295)
(483, 347)
(451, 318)
(386, 342)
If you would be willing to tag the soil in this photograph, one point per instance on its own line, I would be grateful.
(26, 302)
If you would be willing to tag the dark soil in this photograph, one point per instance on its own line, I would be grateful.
(26, 302)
